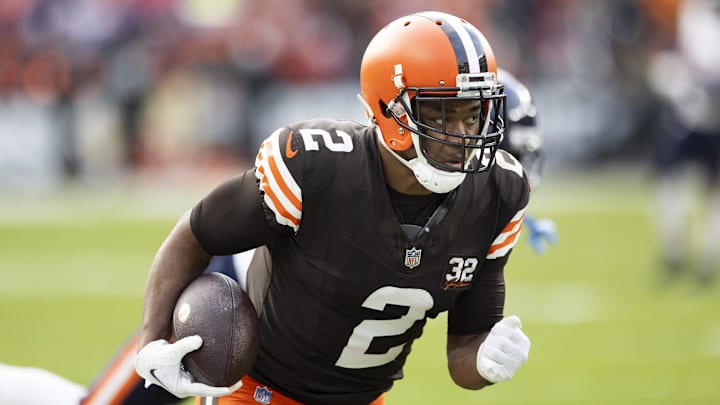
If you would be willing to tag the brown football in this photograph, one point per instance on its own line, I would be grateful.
(216, 308)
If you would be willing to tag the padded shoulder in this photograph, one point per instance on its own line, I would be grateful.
(511, 180)
(301, 159)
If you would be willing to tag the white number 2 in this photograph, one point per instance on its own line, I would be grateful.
(355, 355)
(344, 145)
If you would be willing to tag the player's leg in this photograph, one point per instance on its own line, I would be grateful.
(35, 386)
(119, 384)
(674, 204)
(675, 189)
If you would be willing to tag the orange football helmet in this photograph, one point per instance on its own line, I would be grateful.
(433, 57)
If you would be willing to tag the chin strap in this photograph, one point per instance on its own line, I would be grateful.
(368, 111)
(434, 180)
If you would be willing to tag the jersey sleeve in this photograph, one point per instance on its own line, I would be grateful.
(279, 174)
(479, 308)
(231, 219)
(297, 162)
(258, 206)
(514, 192)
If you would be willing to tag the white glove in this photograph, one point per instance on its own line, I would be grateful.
(504, 350)
(160, 363)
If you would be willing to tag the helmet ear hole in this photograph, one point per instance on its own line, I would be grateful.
(385, 110)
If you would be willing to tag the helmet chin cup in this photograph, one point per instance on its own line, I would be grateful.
(435, 180)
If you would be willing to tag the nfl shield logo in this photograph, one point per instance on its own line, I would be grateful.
(412, 257)
(262, 395)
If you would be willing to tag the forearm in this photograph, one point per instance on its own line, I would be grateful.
(179, 260)
(462, 361)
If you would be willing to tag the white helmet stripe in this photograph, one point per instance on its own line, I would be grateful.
(468, 45)
(465, 43)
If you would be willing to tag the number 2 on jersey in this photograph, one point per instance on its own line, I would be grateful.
(344, 144)
(355, 355)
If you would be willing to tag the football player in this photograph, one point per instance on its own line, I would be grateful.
(119, 384)
(523, 139)
(371, 229)
(687, 147)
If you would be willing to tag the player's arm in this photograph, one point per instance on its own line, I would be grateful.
(482, 346)
(229, 220)
(461, 357)
(476, 361)
(179, 260)
(470, 321)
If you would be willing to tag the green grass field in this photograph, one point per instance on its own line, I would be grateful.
(604, 327)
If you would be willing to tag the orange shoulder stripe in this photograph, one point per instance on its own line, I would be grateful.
(278, 204)
(510, 239)
(280, 181)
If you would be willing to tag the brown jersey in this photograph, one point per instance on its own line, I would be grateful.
(350, 289)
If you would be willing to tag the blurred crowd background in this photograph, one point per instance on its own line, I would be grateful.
(95, 89)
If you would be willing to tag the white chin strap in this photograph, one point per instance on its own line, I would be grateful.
(436, 180)
(433, 179)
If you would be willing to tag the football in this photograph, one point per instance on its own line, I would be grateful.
(216, 308)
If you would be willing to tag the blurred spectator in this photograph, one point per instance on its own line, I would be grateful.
(101, 74)
(688, 143)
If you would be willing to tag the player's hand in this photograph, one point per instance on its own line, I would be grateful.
(542, 233)
(160, 363)
(504, 350)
